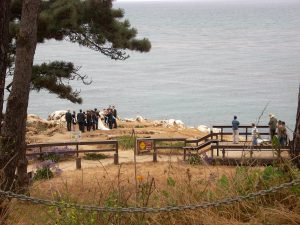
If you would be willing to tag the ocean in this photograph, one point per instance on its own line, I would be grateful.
(208, 62)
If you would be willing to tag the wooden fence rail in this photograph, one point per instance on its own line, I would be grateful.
(245, 130)
(114, 148)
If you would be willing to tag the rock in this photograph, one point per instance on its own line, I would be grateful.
(140, 119)
(33, 117)
(129, 120)
(179, 123)
(216, 130)
(58, 115)
(203, 128)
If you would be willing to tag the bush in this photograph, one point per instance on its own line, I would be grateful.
(126, 142)
(94, 156)
(45, 170)
(43, 173)
(194, 159)
(54, 157)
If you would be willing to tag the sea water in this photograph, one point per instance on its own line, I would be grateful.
(208, 62)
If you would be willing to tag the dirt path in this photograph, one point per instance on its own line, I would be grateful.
(124, 157)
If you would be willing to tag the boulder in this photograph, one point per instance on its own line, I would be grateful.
(58, 115)
(179, 123)
(203, 128)
(216, 130)
(140, 119)
(129, 120)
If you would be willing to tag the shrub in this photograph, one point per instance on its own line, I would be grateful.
(43, 173)
(126, 142)
(194, 159)
(94, 156)
(46, 170)
(54, 157)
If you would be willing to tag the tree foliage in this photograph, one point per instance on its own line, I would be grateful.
(90, 23)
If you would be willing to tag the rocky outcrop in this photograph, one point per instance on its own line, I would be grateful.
(203, 128)
(206, 129)
(58, 116)
(36, 125)
(140, 119)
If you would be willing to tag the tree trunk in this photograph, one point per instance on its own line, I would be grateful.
(296, 136)
(4, 37)
(14, 146)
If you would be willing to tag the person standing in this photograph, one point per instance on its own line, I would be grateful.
(110, 119)
(272, 125)
(95, 117)
(235, 130)
(69, 120)
(114, 111)
(89, 121)
(254, 133)
(284, 140)
(81, 120)
(280, 132)
(73, 120)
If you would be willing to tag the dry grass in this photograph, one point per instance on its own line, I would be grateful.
(161, 184)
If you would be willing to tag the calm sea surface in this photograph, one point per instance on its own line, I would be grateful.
(208, 62)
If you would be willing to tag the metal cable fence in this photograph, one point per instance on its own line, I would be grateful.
(225, 201)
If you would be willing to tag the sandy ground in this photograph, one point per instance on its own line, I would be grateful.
(147, 129)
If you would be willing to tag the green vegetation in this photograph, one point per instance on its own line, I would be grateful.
(126, 142)
(195, 159)
(43, 173)
(94, 156)
(54, 157)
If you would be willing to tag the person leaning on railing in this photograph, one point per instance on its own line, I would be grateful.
(235, 130)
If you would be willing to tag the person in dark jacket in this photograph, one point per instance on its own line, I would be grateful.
(272, 126)
(69, 120)
(235, 130)
(110, 119)
(114, 111)
(95, 118)
(81, 120)
(89, 120)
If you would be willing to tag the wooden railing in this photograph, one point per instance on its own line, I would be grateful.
(244, 130)
(158, 144)
(247, 147)
(113, 143)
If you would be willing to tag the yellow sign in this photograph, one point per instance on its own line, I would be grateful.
(144, 145)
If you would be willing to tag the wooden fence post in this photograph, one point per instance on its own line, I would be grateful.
(78, 163)
(221, 133)
(41, 154)
(116, 155)
(155, 152)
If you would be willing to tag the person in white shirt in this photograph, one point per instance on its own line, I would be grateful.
(254, 133)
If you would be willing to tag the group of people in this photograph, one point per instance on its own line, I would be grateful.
(276, 127)
(89, 120)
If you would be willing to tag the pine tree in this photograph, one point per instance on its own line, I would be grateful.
(296, 136)
(90, 23)
(4, 39)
